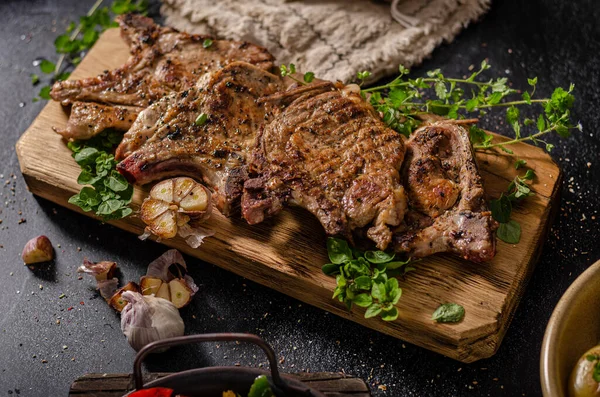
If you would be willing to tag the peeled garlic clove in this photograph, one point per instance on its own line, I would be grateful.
(117, 302)
(164, 292)
(163, 191)
(181, 294)
(182, 187)
(165, 226)
(38, 249)
(196, 200)
(150, 285)
(152, 209)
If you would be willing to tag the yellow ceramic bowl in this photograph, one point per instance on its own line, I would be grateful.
(573, 329)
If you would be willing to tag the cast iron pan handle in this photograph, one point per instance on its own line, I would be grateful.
(184, 340)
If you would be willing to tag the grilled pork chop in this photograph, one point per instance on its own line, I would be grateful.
(90, 118)
(447, 207)
(166, 140)
(330, 153)
(163, 61)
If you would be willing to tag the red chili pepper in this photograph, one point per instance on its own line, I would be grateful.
(153, 392)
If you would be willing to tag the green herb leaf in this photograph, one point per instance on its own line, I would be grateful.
(448, 313)
(373, 310)
(396, 264)
(520, 163)
(509, 232)
(363, 300)
(529, 175)
(389, 315)
(46, 66)
(207, 43)
(338, 250)
(35, 79)
(86, 156)
(501, 209)
(331, 269)
(596, 373)
(379, 256)
(116, 182)
(532, 82)
(363, 282)
(201, 119)
(363, 75)
(309, 77)
(378, 291)
(45, 92)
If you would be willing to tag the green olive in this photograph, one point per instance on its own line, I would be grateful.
(581, 382)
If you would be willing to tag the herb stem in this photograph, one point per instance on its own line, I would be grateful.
(517, 140)
(394, 84)
(74, 35)
(297, 80)
(446, 105)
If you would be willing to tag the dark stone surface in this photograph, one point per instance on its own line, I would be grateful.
(558, 41)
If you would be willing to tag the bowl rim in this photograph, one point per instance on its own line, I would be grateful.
(548, 369)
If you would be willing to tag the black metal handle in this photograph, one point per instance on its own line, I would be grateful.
(184, 340)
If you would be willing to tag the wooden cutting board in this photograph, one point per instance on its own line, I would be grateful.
(116, 385)
(287, 252)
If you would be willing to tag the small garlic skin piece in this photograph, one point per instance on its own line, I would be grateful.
(147, 319)
(38, 249)
(103, 270)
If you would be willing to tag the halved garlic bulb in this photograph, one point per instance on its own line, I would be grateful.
(173, 204)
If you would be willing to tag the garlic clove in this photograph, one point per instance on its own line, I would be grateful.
(150, 285)
(165, 226)
(38, 249)
(195, 200)
(117, 302)
(164, 292)
(181, 294)
(163, 191)
(152, 209)
(182, 187)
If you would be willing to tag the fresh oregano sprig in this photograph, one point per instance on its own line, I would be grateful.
(509, 230)
(290, 70)
(404, 99)
(366, 279)
(105, 191)
(80, 37)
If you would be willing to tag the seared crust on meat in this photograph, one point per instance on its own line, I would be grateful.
(447, 207)
(89, 118)
(328, 152)
(165, 140)
(163, 60)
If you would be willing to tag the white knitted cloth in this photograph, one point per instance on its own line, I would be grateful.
(332, 38)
